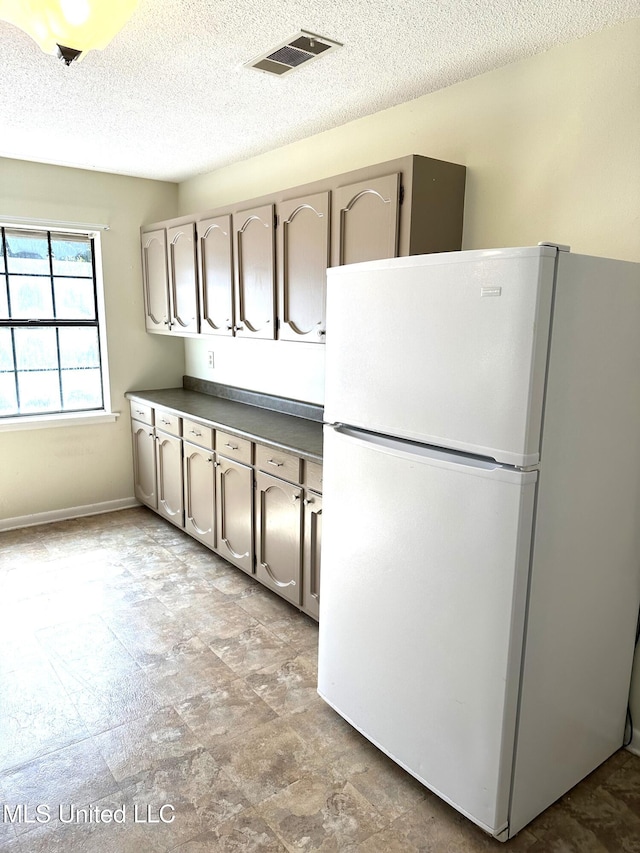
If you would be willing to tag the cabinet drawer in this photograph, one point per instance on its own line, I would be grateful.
(313, 476)
(234, 447)
(167, 422)
(278, 462)
(141, 412)
(197, 433)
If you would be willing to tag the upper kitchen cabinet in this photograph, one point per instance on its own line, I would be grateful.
(215, 268)
(243, 271)
(255, 272)
(303, 257)
(155, 280)
(366, 216)
(183, 288)
(410, 206)
(169, 280)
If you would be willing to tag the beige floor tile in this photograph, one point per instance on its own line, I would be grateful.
(246, 833)
(200, 792)
(142, 744)
(224, 712)
(228, 620)
(252, 650)
(287, 686)
(76, 774)
(29, 735)
(266, 759)
(311, 814)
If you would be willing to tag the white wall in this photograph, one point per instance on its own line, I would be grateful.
(50, 470)
(551, 148)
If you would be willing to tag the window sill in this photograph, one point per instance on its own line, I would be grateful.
(51, 421)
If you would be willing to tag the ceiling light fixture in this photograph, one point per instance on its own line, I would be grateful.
(68, 28)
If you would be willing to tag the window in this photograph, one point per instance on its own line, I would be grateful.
(52, 355)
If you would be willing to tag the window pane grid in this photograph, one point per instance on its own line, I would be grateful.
(50, 353)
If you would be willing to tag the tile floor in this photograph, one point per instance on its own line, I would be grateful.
(139, 670)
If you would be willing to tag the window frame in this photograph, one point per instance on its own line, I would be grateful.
(82, 416)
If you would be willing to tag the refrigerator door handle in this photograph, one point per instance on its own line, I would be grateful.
(475, 465)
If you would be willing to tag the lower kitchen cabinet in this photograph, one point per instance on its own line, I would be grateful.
(311, 554)
(256, 505)
(199, 493)
(144, 463)
(278, 509)
(234, 513)
(169, 474)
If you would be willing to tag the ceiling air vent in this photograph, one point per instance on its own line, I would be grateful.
(292, 53)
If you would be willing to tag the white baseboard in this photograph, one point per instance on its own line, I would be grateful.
(67, 513)
(634, 746)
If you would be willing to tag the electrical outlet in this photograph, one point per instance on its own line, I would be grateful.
(210, 358)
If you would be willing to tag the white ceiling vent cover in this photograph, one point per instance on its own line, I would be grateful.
(292, 53)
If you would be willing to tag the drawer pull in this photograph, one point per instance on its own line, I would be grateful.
(231, 446)
(164, 422)
(194, 432)
(139, 412)
(273, 462)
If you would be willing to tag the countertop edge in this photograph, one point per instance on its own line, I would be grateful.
(154, 397)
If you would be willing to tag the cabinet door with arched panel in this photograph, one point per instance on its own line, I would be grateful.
(234, 513)
(311, 554)
(155, 280)
(303, 257)
(183, 288)
(278, 514)
(199, 493)
(365, 220)
(255, 272)
(215, 275)
(144, 463)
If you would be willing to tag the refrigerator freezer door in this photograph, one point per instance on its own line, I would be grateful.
(425, 560)
(447, 349)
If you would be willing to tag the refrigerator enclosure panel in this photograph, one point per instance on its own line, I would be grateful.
(424, 578)
(454, 344)
(585, 578)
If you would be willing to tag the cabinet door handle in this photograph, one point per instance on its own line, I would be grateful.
(238, 328)
(296, 498)
(273, 462)
(210, 459)
(307, 501)
(321, 333)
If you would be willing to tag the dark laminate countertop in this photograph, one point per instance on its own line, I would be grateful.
(298, 435)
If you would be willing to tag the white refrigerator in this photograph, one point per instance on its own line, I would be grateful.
(481, 539)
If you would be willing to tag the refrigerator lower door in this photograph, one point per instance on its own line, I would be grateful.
(448, 350)
(425, 560)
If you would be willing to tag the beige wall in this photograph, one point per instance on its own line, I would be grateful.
(551, 147)
(47, 470)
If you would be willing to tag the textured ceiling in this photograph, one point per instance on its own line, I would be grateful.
(169, 98)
